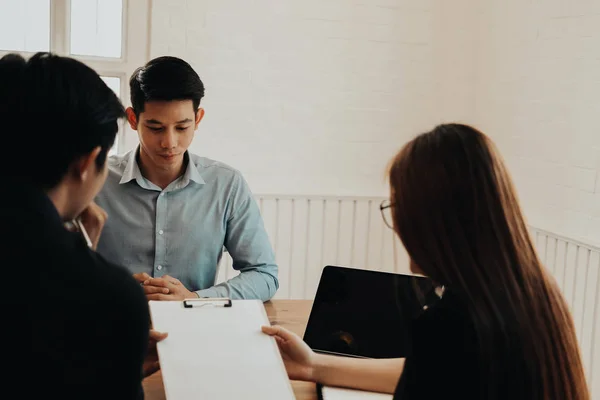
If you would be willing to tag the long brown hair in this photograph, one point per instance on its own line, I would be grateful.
(457, 214)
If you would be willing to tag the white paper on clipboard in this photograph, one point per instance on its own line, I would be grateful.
(216, 352)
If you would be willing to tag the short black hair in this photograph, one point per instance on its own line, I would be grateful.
(58, 109)
(165, 79)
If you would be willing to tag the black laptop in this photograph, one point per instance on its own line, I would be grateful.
(367, 314)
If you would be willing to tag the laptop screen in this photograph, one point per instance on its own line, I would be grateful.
(364, 313)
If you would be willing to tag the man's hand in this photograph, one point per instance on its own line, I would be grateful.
(151, 364)
(166, 288)
(141, 277)
(93, 219)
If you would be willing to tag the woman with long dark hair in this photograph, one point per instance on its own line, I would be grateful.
(502, 329)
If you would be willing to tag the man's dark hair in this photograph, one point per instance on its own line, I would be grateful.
(56, 109)
(165, 79)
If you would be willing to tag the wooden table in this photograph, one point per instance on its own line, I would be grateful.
(291, 314)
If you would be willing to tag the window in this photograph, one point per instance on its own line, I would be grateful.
(96, 27)
(21, 30)
(108, 35)
(113, 83)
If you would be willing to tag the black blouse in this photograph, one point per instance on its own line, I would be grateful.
(444, 360)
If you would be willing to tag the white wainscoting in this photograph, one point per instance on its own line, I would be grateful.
(576, 268)
(310, 232)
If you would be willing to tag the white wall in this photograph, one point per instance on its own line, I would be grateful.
(538, 95)
(314, 96)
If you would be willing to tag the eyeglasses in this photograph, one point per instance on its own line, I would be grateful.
(386, 213)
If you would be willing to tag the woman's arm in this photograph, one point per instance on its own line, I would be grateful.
(376, 375)
(301, 363)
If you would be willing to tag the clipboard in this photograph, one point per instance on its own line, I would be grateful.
(335, 393)
(202, 302)
(216, 350)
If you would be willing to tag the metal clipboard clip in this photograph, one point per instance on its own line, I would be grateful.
(203, 302)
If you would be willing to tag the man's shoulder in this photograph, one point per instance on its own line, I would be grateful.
(218, 169)
(117, 163)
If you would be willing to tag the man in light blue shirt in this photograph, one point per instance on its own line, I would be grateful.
(171, 213)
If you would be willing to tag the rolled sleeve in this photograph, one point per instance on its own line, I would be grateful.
(248, 244)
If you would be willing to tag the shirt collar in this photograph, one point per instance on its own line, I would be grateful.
(191, 172)
(132, 171)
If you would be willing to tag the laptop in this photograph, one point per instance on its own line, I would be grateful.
(367, 314)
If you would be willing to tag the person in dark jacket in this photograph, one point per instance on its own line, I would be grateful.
(74, 326)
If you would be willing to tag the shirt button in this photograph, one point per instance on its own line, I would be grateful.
(159, 267)
(160, 232)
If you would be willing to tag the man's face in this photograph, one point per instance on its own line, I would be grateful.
(166, 130)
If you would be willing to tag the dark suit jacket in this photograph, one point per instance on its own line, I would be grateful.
(73, 325)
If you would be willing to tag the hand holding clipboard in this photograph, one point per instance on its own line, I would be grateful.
(216, 350)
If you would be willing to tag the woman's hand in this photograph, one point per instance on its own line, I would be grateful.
(298, 358)
(301, 363)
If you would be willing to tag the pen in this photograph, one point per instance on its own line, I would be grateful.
(79, 225)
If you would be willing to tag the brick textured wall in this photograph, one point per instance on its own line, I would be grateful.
(538, 95)
(313, 96)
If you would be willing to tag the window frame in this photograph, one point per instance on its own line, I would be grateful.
(135, 50)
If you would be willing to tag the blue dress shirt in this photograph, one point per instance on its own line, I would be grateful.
(181, 231)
